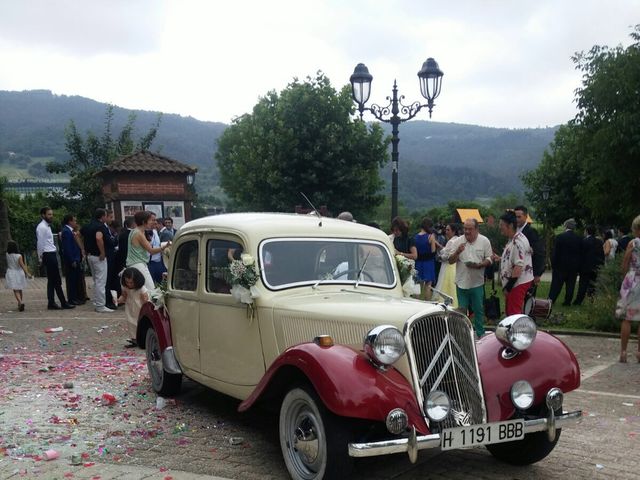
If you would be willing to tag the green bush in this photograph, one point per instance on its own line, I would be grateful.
(598, 313)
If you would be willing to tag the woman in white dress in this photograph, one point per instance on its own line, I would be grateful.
(134, 295)
(447, 276)
(17, 272)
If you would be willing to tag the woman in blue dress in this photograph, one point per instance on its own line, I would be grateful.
(425, 242)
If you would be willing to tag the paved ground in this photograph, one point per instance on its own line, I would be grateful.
(80, 393)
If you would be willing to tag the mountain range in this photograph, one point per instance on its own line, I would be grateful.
(438, 161)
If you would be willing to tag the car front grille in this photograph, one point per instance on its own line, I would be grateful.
(442, 355)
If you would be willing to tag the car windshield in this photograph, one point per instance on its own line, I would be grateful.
(293, 262)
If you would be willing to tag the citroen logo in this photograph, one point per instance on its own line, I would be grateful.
(461, 417)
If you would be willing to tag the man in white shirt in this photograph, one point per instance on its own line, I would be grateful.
(471, 253)
(47, 256)
(156, 265)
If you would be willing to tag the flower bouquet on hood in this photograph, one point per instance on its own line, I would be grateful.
(408, 276)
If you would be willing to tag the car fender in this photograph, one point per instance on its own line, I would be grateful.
(346, 382)
(158, 319)
(547, 363)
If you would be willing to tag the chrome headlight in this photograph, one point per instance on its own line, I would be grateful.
(384, 345)
(517, 331)
(522, 394)
(437, 405)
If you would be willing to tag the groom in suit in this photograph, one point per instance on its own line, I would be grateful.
(565, 262)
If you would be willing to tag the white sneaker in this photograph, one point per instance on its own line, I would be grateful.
(104, 310)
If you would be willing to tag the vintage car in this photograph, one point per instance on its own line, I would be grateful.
(309, 314)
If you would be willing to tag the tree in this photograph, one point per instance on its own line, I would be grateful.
(89, 156)
(303, 140)
(593, 167)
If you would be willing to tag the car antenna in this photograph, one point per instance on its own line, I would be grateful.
(314, 208)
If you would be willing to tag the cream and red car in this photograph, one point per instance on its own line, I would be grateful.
(356, 368)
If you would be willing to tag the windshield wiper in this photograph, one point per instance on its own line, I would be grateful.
(364, 264)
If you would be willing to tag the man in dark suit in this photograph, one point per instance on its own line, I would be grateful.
(565, 262)
(536, 243)
(71, 259)
(110, 244)
(123, 244)
(624, 239)
(592, 260)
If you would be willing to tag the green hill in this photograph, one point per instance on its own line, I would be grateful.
(438, 161)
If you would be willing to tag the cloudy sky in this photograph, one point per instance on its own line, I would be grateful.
(507, 63)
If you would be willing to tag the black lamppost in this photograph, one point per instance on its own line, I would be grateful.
(545, 197)
(430, 77)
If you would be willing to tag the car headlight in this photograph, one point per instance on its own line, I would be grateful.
(522, 394)
(437, 405)
(517, 331)
(384, 344)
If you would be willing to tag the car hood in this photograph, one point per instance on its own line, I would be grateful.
(346, 315)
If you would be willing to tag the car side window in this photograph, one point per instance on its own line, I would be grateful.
(219, 256)
(185, 267)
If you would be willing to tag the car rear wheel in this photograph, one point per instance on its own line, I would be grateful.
(313, 440)
(163, 382)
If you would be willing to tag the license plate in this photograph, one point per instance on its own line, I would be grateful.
(498, 432)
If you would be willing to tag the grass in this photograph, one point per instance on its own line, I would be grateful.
(578, 317)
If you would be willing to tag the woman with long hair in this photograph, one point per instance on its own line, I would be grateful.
(628, 307)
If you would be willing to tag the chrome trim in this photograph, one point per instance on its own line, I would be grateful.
(170, 362)
(414, 443)
(447, 330)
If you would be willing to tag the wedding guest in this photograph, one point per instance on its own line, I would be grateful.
(471, 254)
(565, 263)
(591, 261)
(71, 258)
(426, 245)
(628, 306)
(134, 295)
(402, 242)
(15, 277)
(139, 247)
(156, 265)
(447, 276)
(167, 232)
(47, 256)
(95, 236)
(516, 269)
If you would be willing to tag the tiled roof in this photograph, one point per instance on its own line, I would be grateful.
(145, 161)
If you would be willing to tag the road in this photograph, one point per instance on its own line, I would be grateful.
(81, 393)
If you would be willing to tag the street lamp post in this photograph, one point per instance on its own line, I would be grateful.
(545, 196)
(430, 77)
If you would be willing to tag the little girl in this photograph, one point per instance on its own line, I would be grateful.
(17, 272)
(134, 295)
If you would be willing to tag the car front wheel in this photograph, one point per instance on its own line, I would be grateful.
(163, 382)
(313, 440)
(531, 449)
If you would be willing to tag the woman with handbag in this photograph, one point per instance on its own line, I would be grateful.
(516, 269)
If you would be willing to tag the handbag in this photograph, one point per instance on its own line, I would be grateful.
(492, 304)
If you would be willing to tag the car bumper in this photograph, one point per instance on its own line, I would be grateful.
(414, 443)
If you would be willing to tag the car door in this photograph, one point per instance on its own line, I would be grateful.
(230, 348)
(182, 302)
